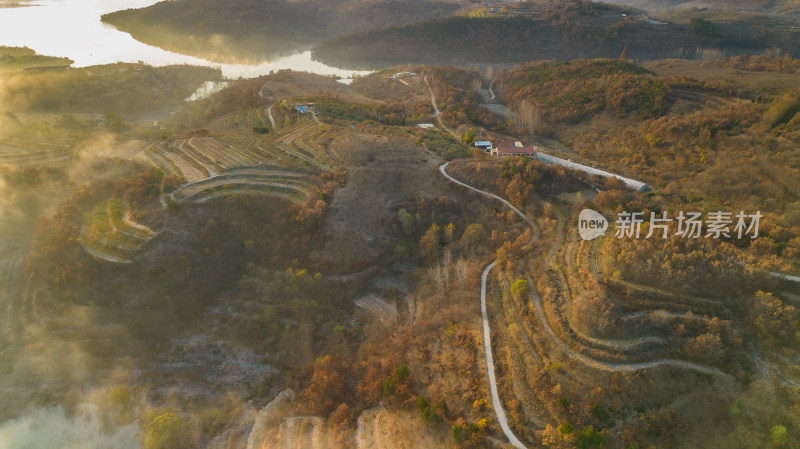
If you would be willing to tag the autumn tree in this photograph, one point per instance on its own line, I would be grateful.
(707, 346)
(429, 243)
(328, 385)
(474, 236)
(469, 136)
(775, 322)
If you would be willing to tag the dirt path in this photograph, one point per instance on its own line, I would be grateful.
(534, 229)
(490, 103)
(787, 277)
(487, 349)
(103, 256)
(487, 333)
(269, 115)
(436, 108)
(126, 218)
(195, 189)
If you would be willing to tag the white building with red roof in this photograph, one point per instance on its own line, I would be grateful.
(512, 149)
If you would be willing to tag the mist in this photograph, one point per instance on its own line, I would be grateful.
(52, 428)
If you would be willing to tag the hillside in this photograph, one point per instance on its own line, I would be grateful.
(252, 274)
(250, 30)
(779, 8)
(17, 58)
(560, 32)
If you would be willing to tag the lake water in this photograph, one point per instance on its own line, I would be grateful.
(72, 28)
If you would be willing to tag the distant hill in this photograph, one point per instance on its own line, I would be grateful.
(236, 30)
(19, 58)
(560, 32)
(779, 7)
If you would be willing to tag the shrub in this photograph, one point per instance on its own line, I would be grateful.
(778, 435)
(589, 437)
(520, 288)
(165, 429)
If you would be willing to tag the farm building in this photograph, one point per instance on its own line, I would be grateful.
(484, 145)
(512, 149)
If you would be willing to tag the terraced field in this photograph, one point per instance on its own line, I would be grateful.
(287, 183)
(299, 146)
(213, 152)
(275, 164)
(194, 159)
(110, 234)
(15, 156)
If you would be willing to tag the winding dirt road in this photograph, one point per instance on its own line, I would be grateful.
(540, 313)
(499, 412)
(487, 333)
(269, 115)
(436, 109)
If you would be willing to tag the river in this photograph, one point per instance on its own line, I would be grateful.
(72, 29)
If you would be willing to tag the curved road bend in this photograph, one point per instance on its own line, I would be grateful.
(487, 334)
(487, 349)
(436, 110)
(269, 115)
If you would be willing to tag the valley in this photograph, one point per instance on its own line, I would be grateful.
(290, 260)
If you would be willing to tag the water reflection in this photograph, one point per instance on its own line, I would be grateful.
(72, 28)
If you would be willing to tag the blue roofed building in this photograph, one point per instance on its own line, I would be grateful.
(484, 145)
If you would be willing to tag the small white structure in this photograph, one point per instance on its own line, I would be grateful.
(425, 125)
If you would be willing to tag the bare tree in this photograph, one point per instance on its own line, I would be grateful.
(440, 273)
(528, 115)
(437, 273)
(477, 84)
(414, 305)
(461, 271)
(447, 264)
